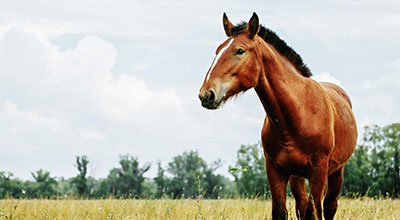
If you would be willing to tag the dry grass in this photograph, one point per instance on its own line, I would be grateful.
(362, 208)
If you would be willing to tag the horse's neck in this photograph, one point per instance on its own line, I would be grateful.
(278, 88)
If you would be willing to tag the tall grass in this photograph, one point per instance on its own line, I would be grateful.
(361, 208)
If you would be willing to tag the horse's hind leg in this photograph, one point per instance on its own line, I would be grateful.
(298, 188)
(335, 182)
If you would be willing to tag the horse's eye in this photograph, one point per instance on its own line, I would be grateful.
(239, 51)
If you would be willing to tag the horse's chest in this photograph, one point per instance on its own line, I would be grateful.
(290, 160)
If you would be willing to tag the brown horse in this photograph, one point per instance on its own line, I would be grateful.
(309, 129)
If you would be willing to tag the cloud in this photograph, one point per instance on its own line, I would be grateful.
(69, 102)
(326, 77)
(127, 98)
(80, 79)
(376, 108)
(91, 133)
(54, 124)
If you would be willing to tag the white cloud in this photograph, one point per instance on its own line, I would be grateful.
(91, 133)
(75, 94)
(127, 98)
(326, 77)
(82, 80)
(54, 124)
(387, 80)
(375, 108)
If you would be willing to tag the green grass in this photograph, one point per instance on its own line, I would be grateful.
(362, 208)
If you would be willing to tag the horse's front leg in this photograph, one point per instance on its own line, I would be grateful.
(277, 183)
(318, 178)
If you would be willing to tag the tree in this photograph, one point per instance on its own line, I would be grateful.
(192, 177)
(384, 143)
(10, 187)
(149, 189)
(249, 171)
(80, 180)
(187, 174)
(216, 184)
(391, 137)
(161, 181)
(44, 185)
(127, 180)
(374, 167)
(357, 180)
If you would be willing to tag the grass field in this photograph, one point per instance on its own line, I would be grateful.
(363, 208)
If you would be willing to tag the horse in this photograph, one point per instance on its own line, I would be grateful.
(309, 130)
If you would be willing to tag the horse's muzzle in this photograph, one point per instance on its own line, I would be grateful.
(208, 100)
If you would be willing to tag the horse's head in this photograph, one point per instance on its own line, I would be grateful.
(236, 66)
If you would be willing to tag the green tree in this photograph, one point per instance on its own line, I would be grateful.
(249, 171)
(64, 187)
(187, 174)
(149, 189)
(80, 181)
(357, 179)
(161, 181)
(191, 177)
(127, 180)
(44, 185)
(384, 143)
(97, 187)
(10, 187)
(391, 137)
(216, 184)
(373, 169)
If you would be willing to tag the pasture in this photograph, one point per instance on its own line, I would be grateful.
(360, 208)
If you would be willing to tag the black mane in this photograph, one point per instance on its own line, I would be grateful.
(271, 38)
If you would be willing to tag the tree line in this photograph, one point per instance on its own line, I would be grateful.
(373, 171)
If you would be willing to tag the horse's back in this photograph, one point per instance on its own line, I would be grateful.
(335, 90)
(344, 125)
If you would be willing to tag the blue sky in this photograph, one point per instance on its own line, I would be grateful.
(106, 78)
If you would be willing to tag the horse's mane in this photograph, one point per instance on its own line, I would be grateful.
(271, 38)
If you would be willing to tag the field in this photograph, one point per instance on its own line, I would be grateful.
(362, 208)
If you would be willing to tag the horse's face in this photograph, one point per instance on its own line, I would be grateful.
(235, 68)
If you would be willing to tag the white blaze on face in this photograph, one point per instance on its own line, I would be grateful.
(215, 61)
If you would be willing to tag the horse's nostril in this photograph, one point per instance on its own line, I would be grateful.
(211, 96)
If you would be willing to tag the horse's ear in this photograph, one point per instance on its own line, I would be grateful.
(253, 25)
(227, 25)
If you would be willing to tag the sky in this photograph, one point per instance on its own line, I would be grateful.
(107, 78)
